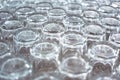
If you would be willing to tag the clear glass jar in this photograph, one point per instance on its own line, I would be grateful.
(11, 5)
(73, 9)
(107, 11)
(56, 14)
(44, 50)
(91, 16)
(5, 15)
(73, 41)
(73, 23)
(43, 7)
(36, 21)
(4, 50)
(74, 67)
(52, 31)
(9, 27)
(25, 38)
(15, 68)
(94, 33)
(23, 12)
(102, 52)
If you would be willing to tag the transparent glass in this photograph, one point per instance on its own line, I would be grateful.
(52, 31)
(115, 39)
(89, 4)
(104, 2)
(43, 7)
(23, 12)
(110, 24)
(12, 4)
(94, 33)
(4, 50)
(9, 27)
(56, 14)
(102, 52)
(91, 16)
(47, 77)
(25, 38)
(107, 11)
(5, 15)
(36, 21)
(44, 66)
(73, 41)
(15, 68)
(73, 8)
(105, 78)
(74, 67)
(73, 23)
(44, 50)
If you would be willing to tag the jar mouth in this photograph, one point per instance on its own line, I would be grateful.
(72, 39)
(26, 35)
(4, 15)
(112, 22)
(92, 30)
(72, 64)
(46, 77)
(73, 21)
(107, 9)
(12, 25)
(103, 52)
(26, 10)
(73, 6)
(53, 28)
(91, 14)
(4, 48)
(37, 18)
(15, 68)
(12, 3)
(115, 38)
(56, 12)
(43, 50)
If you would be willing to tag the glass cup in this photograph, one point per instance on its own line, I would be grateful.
(94, 33)
(52, 31)
(107, 11)
(5, 15)
(36, 21)
(44, 50)
(15, 68)
(89, 4)
(56, 14)
(73, 9)
(74, 67)
(102, 52)
(23, 12)
(9, 27)
(73, 41)
(73, 23)
(11, 5)
(25, 38)
(43, 7)
(91, 16)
